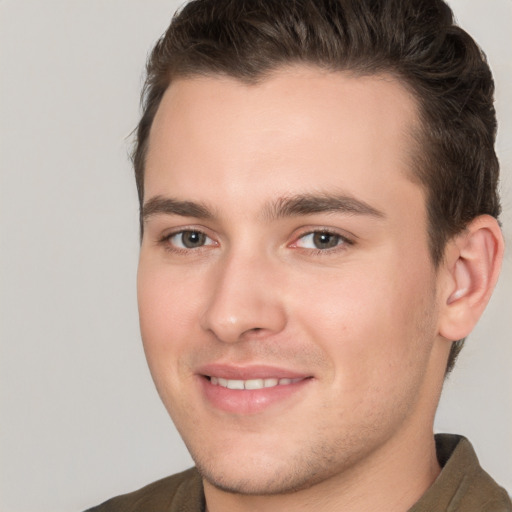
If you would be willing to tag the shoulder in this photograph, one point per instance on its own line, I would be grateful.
(183, 491)
(462, 484)
(480, 489)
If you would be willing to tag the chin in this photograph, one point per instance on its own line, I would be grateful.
(257, 472)
(257, 482)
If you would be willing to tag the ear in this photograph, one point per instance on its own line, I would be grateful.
(469, 273)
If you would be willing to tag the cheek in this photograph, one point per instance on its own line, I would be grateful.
(167, 310)
(370, 320)
(167, 322)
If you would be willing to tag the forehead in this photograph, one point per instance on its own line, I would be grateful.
(301, 126)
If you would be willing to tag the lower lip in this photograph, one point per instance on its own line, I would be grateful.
(250, 401)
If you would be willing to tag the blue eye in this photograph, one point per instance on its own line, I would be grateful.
(189, 239)
(320, 240)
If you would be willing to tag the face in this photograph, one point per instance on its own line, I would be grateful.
(287, 298)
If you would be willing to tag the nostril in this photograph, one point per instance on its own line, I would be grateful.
(253, 331)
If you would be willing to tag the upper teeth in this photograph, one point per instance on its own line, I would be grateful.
(250, 383)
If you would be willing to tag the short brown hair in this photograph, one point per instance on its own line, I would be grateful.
(415, 40)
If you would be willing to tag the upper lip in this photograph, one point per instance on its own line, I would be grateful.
(236, 372)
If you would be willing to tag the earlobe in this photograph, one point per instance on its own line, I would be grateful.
(472, 265)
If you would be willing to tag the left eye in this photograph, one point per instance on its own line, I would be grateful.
(190, 239)
(320, 240)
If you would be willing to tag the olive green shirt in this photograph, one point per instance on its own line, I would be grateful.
(462, 486)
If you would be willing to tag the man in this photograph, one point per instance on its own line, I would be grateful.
(317, 183)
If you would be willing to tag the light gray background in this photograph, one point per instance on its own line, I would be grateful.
(80, 420)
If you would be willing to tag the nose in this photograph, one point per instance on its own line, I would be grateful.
(244, 300)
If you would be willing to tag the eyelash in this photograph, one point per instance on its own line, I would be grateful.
(343, 241)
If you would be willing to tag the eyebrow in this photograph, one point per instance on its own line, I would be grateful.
(292, 206)
(309, 204)
(159, 205)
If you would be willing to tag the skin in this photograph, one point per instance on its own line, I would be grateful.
(362, 319)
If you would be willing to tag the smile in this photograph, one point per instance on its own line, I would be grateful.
(251, 383)
(251, 389)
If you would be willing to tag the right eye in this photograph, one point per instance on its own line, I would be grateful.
(189, 239)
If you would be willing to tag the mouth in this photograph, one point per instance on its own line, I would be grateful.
(251, 384)
(250, 390)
